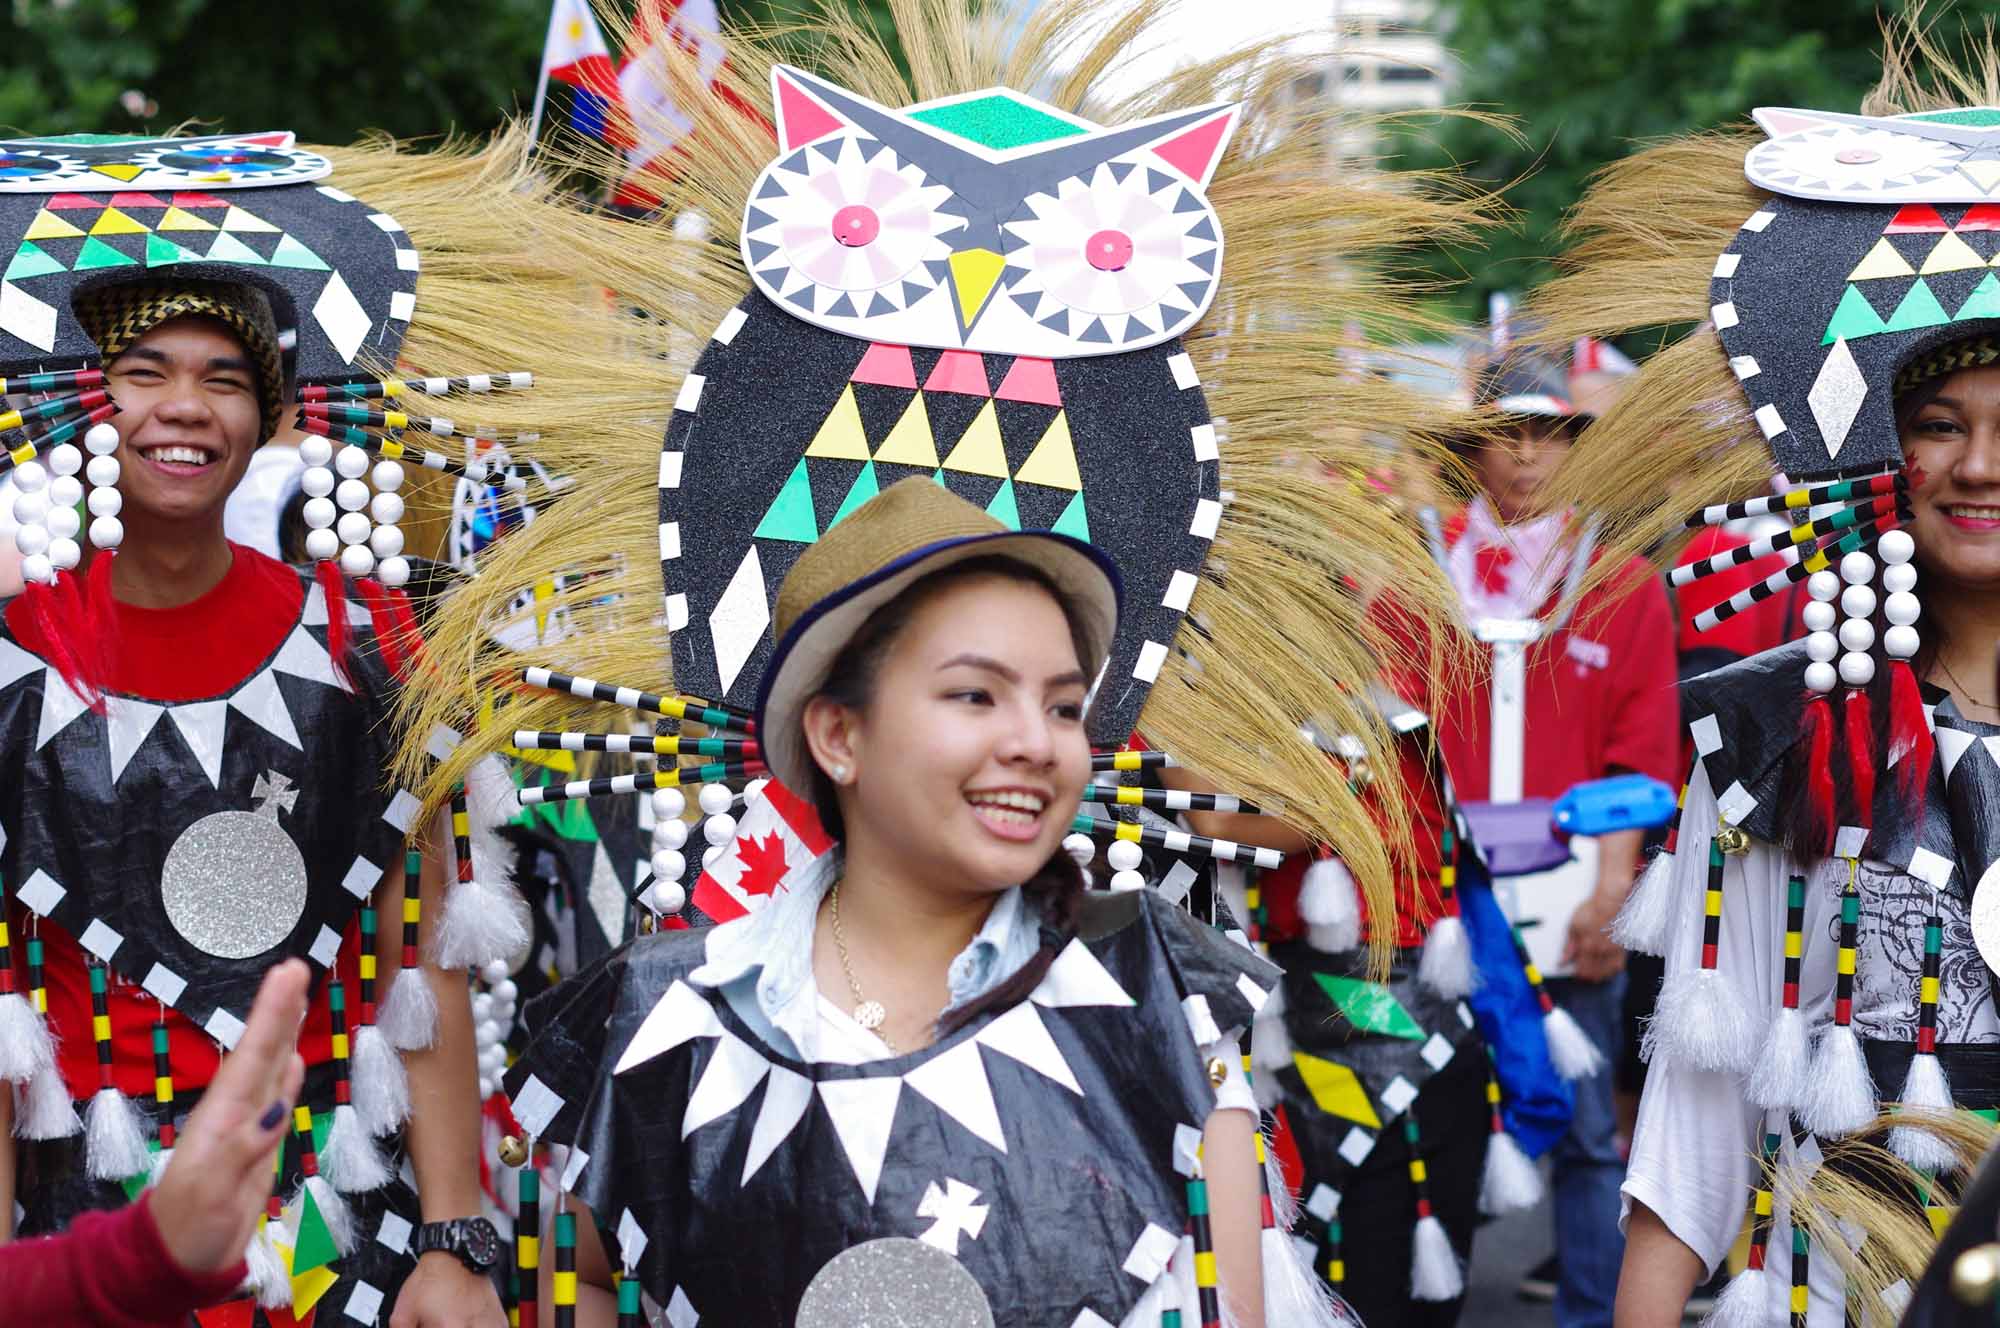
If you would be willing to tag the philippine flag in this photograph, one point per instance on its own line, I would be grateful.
(778, 835)
(575, 54)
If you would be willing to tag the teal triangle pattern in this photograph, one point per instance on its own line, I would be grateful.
(162, 252)
(865, 486)
(31, 260)
(790, 516)
(1984, 302)
(1853, 320)
(1920, 308)
(1004, 508)
(290, 253)
(96, 253)
(228, 249)
(1073, 522)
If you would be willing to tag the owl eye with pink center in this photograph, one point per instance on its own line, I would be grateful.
(856, 225)
(1108, 250)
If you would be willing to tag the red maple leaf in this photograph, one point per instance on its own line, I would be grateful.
(763, 864)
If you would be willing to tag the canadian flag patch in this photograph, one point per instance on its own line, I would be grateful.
(779, 834)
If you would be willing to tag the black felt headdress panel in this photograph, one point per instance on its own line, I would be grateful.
(243, 209)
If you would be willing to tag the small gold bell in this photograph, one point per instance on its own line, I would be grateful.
(1733, 840)
(1975, 1275)
(1218, 1070)
(1360, 774)
(513, 1152)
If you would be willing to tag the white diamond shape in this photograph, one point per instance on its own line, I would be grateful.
(26, 318)
(1836, 396)
(1398, 1095)
(1355, 1147)
(342, 318)
(739, 619)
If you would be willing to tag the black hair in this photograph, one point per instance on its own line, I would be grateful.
(1056, 887)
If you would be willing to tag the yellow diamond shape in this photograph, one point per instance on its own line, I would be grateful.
(1336, 1090)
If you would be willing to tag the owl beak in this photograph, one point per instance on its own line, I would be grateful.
(975, 273)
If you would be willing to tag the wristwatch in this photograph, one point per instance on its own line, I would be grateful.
(470, 1240)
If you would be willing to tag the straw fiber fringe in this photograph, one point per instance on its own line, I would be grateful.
(1862, 1186)
(1280, 631)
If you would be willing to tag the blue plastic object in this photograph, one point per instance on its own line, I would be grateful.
(1536, 1102)
(1605, 806)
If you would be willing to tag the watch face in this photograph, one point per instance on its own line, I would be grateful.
(482, 1242)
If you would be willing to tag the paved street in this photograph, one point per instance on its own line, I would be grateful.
(1505, 1250)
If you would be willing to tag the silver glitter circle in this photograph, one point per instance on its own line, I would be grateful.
(1985, 914)
(234, 884)
(895, 1282)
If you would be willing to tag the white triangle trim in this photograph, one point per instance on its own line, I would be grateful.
(956, 1083)
(863, 1111)
(1020, 1035)
(786, 1097)
(1952, 744)
(681, 1014)
(16, 663)
(304, 657)
(1077, 978)
(201, 724)
(1992, 745)
(263, 704)
(127, 724)
(59, 706)
(725, 1083)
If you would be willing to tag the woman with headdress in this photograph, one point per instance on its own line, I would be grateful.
(1825, 908)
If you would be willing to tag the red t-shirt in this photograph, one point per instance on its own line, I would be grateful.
(201, 649)
(1600, 701)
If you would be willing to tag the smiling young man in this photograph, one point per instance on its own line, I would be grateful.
(278, 730)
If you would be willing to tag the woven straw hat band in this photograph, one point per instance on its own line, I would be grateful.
(117, 315)
(1971, 353)
(907, 516)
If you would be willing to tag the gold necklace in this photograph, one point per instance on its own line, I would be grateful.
(1963, 689)
(869, 1014)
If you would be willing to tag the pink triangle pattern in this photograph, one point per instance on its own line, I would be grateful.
(135, 200)
(800, 118)
(885, 366)
(1030, 380)
(1193, 152)
(959, 371)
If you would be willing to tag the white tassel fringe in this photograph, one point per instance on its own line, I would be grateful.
(1646, 922)
(161, 1157)
(1744, 1303)
(1925, 1088)
(1330, 907)
(483, 921)
(1840, 1097)
(25, 1048)
(350, 1161)
(1446, 966)
(115, 1145)
(1434, 1270)
(267, 1278)
(380, 1084)
(1783, 1074)
(1293, 1294)
(409, 1018)
(1570, 1048)
(1270, 1044)
(1701, 1023)
(43, 1110)
(1284, 1204)
(1511, 1182)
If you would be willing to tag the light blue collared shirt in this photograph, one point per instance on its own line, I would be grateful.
(762, 963)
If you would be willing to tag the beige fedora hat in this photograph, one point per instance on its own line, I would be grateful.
(906, 532)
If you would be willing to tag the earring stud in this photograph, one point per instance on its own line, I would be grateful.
(839, 773)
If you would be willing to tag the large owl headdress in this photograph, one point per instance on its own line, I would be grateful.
(390, 279)
(1025, 299)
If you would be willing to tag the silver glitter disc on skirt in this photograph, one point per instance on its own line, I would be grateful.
(234, 884)
(895, 1282)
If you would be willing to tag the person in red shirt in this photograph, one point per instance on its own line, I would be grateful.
(1589, 693)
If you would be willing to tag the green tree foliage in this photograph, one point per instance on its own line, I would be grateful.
(328, 69)
(1588, 80)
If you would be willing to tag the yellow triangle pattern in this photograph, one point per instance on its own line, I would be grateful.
(114, 222)
(1336, 1090)
(910, 442)
(980, 451)
(1951, 255)
(48, 226)
(1882, 261)
(841, 436)
(123, 170)
(1053, 462)
(180, 219)
(239, 220)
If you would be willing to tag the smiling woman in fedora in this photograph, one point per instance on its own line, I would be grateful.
(936, 1075)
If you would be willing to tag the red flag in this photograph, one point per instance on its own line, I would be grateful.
(779, 835)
